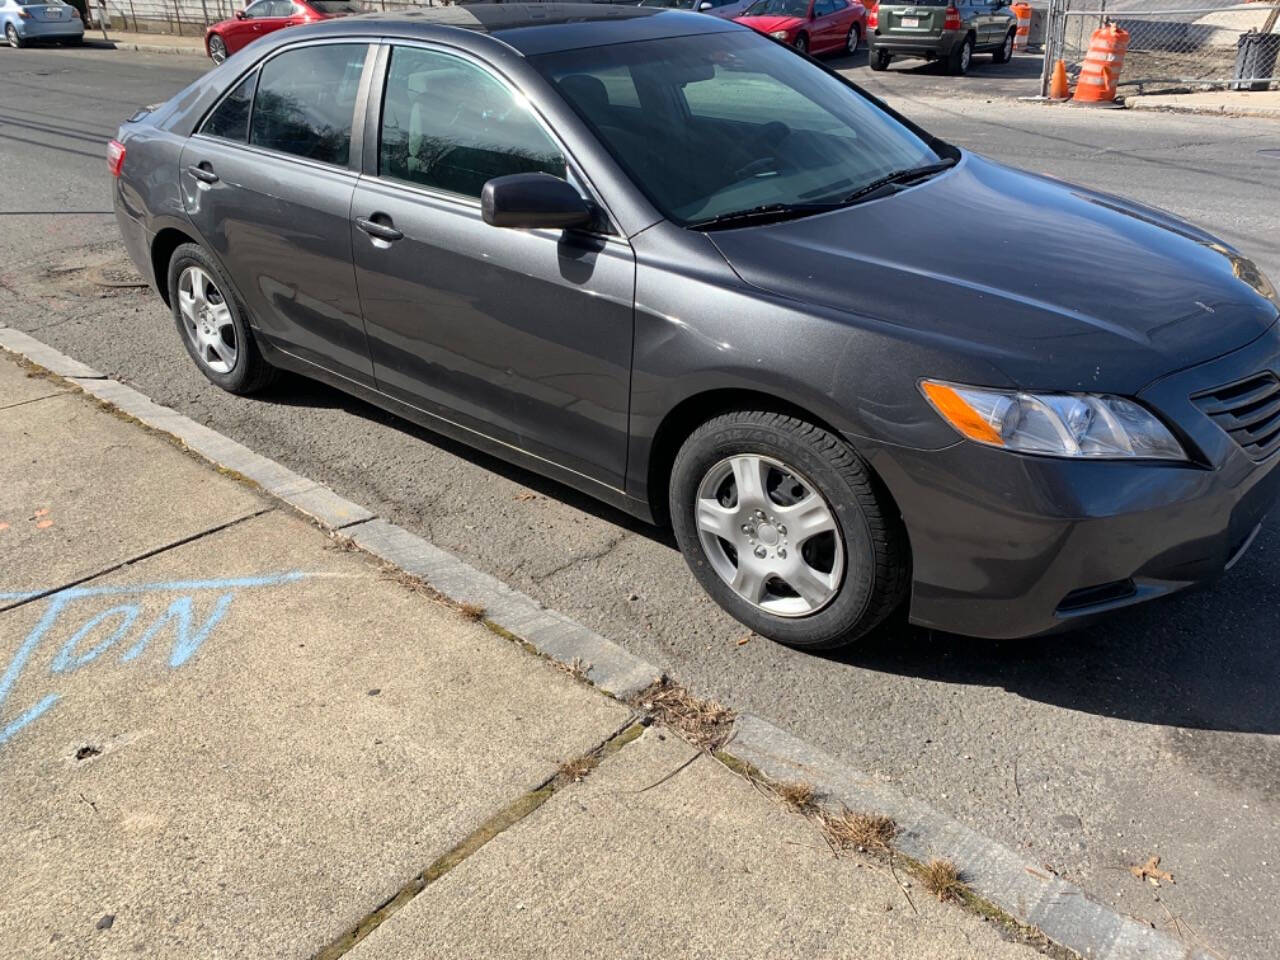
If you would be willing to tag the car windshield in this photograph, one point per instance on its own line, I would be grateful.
(722, 123)
(778, 8)
(677, 4)
(335, 7)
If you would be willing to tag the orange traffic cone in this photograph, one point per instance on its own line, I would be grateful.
(1058, 82)
(1102, 65)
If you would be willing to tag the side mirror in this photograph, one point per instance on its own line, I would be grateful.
(705, 5)
(239, 14)
(533, 201)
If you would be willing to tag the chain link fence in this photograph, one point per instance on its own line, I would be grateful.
(1173, 44)
(190, 17)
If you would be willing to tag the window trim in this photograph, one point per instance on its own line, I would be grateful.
(373, 133)
(358, 120)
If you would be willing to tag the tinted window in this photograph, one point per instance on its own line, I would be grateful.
(335, 7)
(824, 7)
(732, 122)
(779, 8)
(260, 9)
(306, 101)
(230, 120)
(450, 125)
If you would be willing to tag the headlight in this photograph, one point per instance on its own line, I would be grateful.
(1054, 424)
(780, 34)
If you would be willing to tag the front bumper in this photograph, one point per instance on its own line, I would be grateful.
(1005, 545)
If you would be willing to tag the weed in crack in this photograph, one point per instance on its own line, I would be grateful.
(942, 878)
(864, 832)
(704, 723)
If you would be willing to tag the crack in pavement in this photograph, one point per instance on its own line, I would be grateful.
(583, 558)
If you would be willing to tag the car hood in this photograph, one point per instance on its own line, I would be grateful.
(1056, 286)
(769, 24)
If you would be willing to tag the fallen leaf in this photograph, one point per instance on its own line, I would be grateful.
(1151, 871)
(44, 524)
(42, 511)
(744, 641)
(526, 496)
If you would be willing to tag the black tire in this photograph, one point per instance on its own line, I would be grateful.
(880, 60)
(801, 42)
(1005, 53)
(853, 40)
(876, 558)
(11, 34)
(960, 58)
(250, 372)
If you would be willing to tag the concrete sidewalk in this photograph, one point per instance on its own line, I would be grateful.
(1241, 103)
(224, 732)
(149, 42)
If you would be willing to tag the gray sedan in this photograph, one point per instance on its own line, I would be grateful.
(666, 261)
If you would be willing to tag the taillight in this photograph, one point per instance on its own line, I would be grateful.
(115, 157)
(23, 14)
(873, 16)
(952, 22)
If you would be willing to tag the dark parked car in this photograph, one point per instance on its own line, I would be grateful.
(662, 259)
(948, 30)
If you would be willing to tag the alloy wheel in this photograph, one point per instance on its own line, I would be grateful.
(11, 35)
(855, 38)
(207, 320)
(966, 55)
(770, 535)
(217, 49)
(1007, 52)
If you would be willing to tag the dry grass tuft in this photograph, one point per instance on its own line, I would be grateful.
(577, 668)
(577, 768)
(800, 797)
(865, 832)
(942, 878)
(472, 611)
(704, 723)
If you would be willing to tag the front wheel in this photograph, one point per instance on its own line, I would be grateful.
(880, 60)
(802, 43)
(783, 524)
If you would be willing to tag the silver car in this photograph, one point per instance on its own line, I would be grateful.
(27, 20)
(728, 9)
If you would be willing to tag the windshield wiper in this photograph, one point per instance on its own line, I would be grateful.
(899, 177)
(768, 213)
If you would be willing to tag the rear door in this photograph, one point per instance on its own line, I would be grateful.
(981, 14)
(825, 27)
(267, 181)
(522, 336)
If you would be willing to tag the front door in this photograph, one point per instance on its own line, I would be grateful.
(268, 182)
(523, 336)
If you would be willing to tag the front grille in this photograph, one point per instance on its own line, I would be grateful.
(1249, 411)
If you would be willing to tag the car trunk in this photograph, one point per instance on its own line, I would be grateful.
(913, 19)
(50, 12)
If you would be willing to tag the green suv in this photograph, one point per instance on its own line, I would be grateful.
(949, 30)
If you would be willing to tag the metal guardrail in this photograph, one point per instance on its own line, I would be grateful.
(1212, 45)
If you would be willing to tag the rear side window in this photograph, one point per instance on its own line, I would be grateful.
(450, 125)
(306, 102)
(231, 120)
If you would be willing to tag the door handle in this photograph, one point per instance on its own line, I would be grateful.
(381, 231)
(203, 174)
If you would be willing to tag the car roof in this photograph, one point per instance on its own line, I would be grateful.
(533, 28)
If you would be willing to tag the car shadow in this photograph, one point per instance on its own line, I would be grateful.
(293, 390)
(1205, 659)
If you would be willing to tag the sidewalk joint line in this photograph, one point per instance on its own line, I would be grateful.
(507, 817)
(36, 595)
(23, 403)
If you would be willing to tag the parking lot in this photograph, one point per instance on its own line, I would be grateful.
(1157, 733)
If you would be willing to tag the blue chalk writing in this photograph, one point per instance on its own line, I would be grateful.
(115, 624)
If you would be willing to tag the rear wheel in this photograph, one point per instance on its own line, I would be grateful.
(1005, 53)
(960, 58)
(802, 43)
(213, 326)
(11, 34)
(854, 39)
(784, 526)
(217, 49)
(880, 60)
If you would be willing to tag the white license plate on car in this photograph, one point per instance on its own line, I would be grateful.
(911, 21)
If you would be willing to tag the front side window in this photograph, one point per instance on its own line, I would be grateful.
(779, 8)
(335, 8)
(306, 101)
(230, 121)
(256, 11)
(449, 125)
(729, 122)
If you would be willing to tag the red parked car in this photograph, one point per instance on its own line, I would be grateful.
(265, 16)
(811, 26)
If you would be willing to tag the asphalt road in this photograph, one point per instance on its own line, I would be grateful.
(1155, 734)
